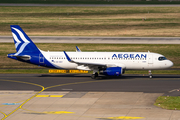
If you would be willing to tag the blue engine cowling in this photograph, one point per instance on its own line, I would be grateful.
(112, 71)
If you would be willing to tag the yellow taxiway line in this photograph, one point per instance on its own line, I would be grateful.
(5, 116)
(53, 112)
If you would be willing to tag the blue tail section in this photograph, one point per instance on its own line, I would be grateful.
(22, 42)
(26, 50)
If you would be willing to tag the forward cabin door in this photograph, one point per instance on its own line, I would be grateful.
(150, 58)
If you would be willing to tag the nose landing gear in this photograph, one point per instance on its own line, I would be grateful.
(150, 74)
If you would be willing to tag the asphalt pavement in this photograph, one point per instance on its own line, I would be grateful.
(78, 97)
(98, 40)
(83, 82)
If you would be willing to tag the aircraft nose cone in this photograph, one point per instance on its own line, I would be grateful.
(171, 63)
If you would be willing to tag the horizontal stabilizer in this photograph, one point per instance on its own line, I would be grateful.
(24, 57)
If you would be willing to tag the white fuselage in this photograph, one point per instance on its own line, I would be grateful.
(126, 60)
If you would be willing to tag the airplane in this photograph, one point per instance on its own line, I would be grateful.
(105, 63)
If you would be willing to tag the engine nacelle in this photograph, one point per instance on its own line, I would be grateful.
(112, 71)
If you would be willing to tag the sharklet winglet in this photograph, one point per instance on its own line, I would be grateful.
(68, 58)
(77, 49)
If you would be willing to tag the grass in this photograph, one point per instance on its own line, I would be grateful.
(93, 21)
(90, 1)
(145, 72)
(170, 103)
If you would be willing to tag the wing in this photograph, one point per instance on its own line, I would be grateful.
(88, 65)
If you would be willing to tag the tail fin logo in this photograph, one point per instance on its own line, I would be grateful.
(20, 40)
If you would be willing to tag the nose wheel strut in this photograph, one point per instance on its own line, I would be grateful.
(150, 74)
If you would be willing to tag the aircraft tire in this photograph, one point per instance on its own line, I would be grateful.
(150, 76)
(93, 76)
(96, 74)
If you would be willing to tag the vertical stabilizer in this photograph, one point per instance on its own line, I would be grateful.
(23, 43)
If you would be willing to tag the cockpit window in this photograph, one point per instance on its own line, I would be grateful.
(162, 58)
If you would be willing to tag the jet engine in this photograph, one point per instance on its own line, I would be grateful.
(112, 71)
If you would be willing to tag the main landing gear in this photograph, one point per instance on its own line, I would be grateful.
(150, 74)
(94, 75)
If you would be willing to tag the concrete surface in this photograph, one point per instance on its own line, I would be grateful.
(99, 40)
(33, 97)
(90, 106)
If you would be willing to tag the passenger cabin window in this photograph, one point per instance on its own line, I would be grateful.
(162, 58)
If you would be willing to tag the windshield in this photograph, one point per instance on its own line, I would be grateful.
(162, 58)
